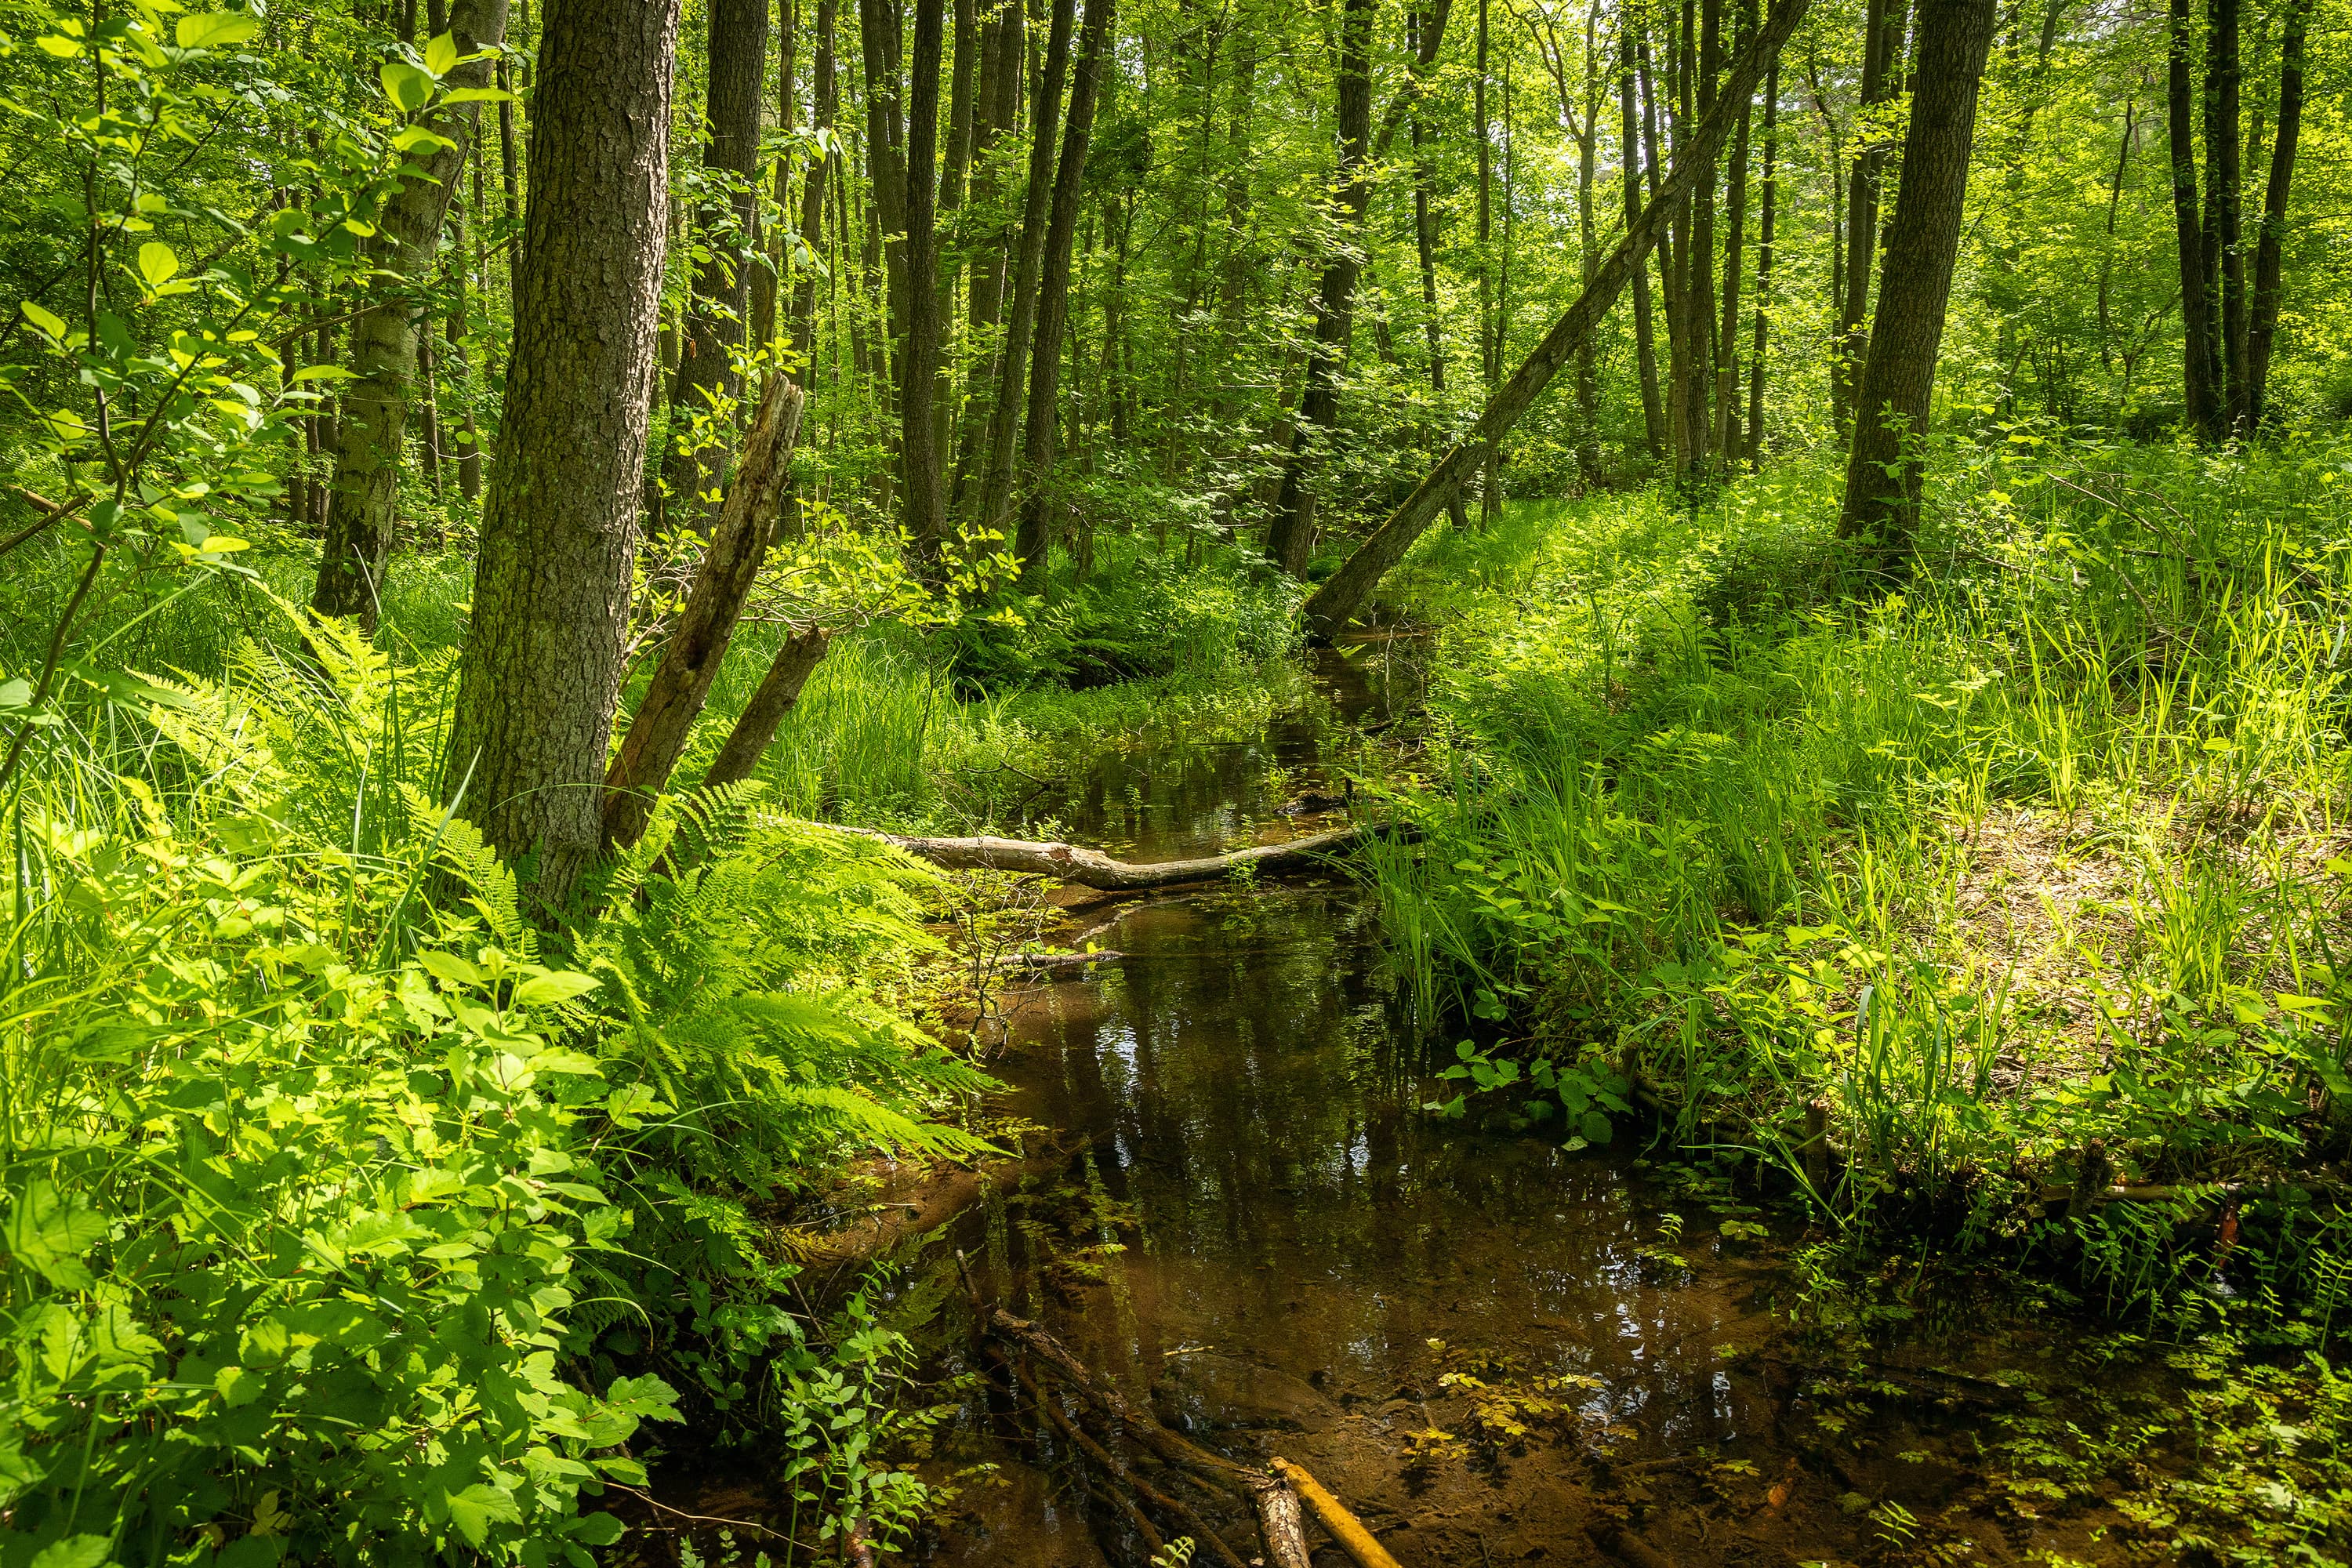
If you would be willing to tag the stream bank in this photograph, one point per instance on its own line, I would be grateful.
(1496, 1351)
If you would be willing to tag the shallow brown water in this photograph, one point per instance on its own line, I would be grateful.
(1496, 1352)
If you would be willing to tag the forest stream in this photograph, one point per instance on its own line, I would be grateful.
(1494, 1349)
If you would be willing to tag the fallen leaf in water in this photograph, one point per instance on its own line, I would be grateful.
(1778, 1495)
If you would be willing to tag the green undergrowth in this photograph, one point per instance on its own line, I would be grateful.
(348, 1215)
(2040, 856)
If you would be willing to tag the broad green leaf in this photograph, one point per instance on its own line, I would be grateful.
(409, 89)
(597, 1529)
(478, 95)
(216, 30)
(75, 1551)
(17, 693)
(1594, 1127)
(63, 48)
(448, 967)
(48, 1231)
(478, 1506)
(441, 54)
(158, 263)
(416, 137)
(47, 321)
(542, 989)
(322, 372)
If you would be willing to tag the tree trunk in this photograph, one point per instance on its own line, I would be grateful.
(1327, 613)
(665, 718)
(796, 659)
(1735, 241)
(542, 661)
(823, 105)
(2199, 353)
(2263, 328)
(1922, 241)
(366, 443)
(1882, 81)
(2224, 244)
(992, 507)
(919, 440)
(1292, 538)
(1645, 335)
(1034, 536)
(1423, 41)
(717, 310)
(1490, 349)
(995, 113)
(1770, 194)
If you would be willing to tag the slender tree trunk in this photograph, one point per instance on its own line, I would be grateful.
(2199, 353)
(1292, 538)
(1882, 81)
(1490, 341)
(1735, 239)
(823, 106)
(919, 441)
(995, 497)
(541, 668)
(1699, 325)
(1034, 535)
(366, 442)
(1331, 607)
(1770, 194)
(716, 310)
(996, 111)
(1423, 35)
(1645, 343)
(2107, 253)
(1586, 132)
(1923, 242)
(2223, 75)
(2262, 330)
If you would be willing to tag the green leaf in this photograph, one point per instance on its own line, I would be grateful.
(448, 967)
(408, 88)
(49, 1232)
(216, 30)
(416, 137)
(478, 95)
(17, 693)
(1594, 1127)
(478, 1508)
(322, 372)
(441, 54)
(158, 263)
(75, 1551)
(597, 1529)
(541, 990)
(47, 322)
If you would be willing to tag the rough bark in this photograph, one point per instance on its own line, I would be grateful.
(996, 111)
(674, 699)
(718, 308)
(823, 105)
(1923, 242)
(1327, 613)
(1034, 534)
(542, 662)
(2262, 328)
(796, 659)
(1735, 240)
(1292, 537)
(367, 441)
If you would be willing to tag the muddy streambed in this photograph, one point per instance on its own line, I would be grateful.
(1496, 1352)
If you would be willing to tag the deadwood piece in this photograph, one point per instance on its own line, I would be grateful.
(1093, 868)
(1279, 1522)
(1178, 1451)
(1348, 1530)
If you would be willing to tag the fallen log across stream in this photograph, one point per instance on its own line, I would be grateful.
(1272, 1495)
(1093, 868)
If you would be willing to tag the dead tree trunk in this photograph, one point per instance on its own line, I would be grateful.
(697, 646)
(756, 726)
(1328, 611)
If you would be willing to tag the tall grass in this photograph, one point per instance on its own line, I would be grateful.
(2043, 852)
